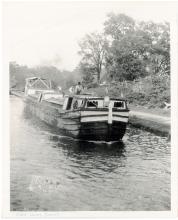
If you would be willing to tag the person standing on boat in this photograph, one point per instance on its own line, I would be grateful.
(78, 88)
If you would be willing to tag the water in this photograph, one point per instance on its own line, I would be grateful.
(51, 172)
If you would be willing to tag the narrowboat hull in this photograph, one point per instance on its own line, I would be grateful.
(102, 131)
(80, 124)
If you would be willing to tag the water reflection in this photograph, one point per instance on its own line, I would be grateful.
(78, 147)
(97, 156)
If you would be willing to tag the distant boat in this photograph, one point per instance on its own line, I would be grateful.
(83, 116)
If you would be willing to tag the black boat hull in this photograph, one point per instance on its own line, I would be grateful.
(69, 123)
(102, 131)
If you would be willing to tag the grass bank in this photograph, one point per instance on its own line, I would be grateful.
(149, 93)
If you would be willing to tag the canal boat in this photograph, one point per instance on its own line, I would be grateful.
(83, 116)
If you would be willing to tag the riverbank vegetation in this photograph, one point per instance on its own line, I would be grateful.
(131, 58)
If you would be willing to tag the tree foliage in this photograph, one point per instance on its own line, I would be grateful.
(159, 46)
(87, 72)
(18, 74)
(137, 49)
(119, 25)
(92, 51)
(127, 50)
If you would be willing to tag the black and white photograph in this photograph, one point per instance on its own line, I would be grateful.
(91, 98)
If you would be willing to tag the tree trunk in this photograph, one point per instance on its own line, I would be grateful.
(98, 73)
(98, 77)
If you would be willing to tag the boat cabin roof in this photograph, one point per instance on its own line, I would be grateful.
(89, 97)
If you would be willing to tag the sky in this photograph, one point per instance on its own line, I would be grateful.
(47, 33)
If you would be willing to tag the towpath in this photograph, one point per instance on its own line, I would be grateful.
(153, 120)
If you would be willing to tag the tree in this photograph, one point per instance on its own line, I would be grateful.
(87, 72)
(159, 50)
(118, 25)
(123, 65)
(18, 74)
(50, 73)
(136, 49)
(124, 58)
(92, 50)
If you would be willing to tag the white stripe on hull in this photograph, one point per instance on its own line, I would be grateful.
(120, 119)
(103, 118)
(84, 113)
(121, 113)
(96, 118)
(100, 113)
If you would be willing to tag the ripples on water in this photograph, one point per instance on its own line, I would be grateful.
(51, 172)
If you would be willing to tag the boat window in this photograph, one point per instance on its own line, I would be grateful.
(100, 103)
(91, 104)
(80, 103)
(69, 103)
(118, 104)
(75, 104)
(106, 101)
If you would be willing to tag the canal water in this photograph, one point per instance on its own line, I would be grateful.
(51, 172)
